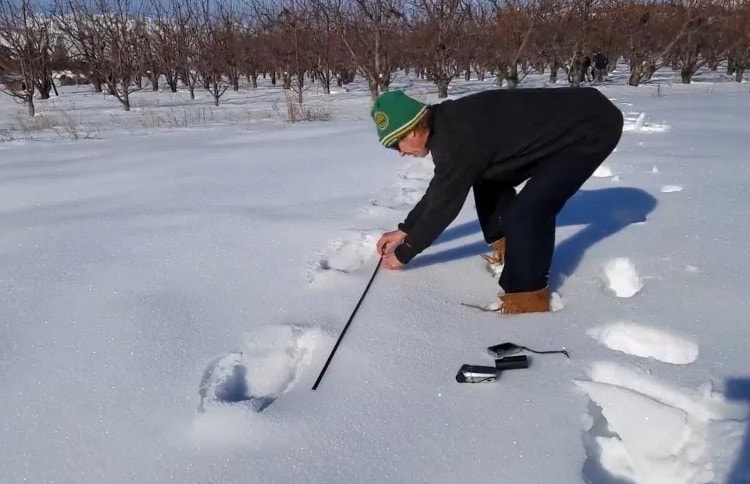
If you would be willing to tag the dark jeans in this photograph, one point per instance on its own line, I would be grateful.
(527, 219)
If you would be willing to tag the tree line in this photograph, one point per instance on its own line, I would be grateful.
(120, 46)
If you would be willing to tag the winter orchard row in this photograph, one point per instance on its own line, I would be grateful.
(211, 44)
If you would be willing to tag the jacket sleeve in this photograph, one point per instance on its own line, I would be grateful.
(413, 216)
(441, 203)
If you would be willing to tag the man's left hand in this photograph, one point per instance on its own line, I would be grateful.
(391, 262)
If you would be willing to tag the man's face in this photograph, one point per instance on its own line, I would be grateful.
(414, 144)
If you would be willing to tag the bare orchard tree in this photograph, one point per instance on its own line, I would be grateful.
(214, 46)
(296, 32)
(105, 35)
(439, 34)
(325, 41)
(651, 31)
(121, 26)
(251, 49)
(554, 38)
(371, 31)
(232, 22)
(163, 37)
(580, 15)
(24, 32)
(150, 58)
(690, 51)
(737, 37)
(86, 44)
(182, 34)
(510, 29)
(479, 50)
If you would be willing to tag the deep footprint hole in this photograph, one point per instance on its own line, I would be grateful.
(234, 390)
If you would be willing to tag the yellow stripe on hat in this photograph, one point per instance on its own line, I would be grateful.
(395, 135)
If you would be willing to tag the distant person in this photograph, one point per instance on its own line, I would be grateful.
(491, 142)
(586, 67)
(600, 66)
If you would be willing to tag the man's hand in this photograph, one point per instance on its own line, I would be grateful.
(390, 262)
(389, 241)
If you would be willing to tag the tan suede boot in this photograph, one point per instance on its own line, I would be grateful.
(498, 256)
(525, 302)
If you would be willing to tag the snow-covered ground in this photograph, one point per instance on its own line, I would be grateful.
(157, 260)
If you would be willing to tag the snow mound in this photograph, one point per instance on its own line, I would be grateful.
(622, 277)
(639, 125)
(602, 171)
(345, 253)
(646, 342)
(671, 188)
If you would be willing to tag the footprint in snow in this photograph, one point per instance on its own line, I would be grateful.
(640, 429)
(646, 342)
(411, 182)
(267, 365)
(344, 254)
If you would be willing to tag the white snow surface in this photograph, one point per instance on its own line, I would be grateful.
(180, 255)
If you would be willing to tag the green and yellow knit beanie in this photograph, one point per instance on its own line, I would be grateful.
(395, 114)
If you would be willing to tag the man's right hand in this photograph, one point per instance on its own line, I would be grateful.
(389, 241)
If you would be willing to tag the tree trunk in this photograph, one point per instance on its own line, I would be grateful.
(191, 89)
(30, 105)
(636, 73)
(553, 68)
(126, 99)
(512, 76)
(373, 85)
(155, 82)
(739, 71)
(215, 92)
(500, 76)
(254, 80)
(442, 85)
(730, 66)
(467, 74)
(325, 81)
(686, 73)
(97, 84)
(649, 70)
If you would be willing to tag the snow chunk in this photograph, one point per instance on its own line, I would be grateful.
(671, 188)
(622, 277)
(602, 171)
(556, 302)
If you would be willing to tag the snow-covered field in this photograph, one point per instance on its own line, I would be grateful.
(157, 260)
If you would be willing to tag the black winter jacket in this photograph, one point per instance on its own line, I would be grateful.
(499, 135)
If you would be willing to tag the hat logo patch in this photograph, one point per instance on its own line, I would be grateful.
(381, 120)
